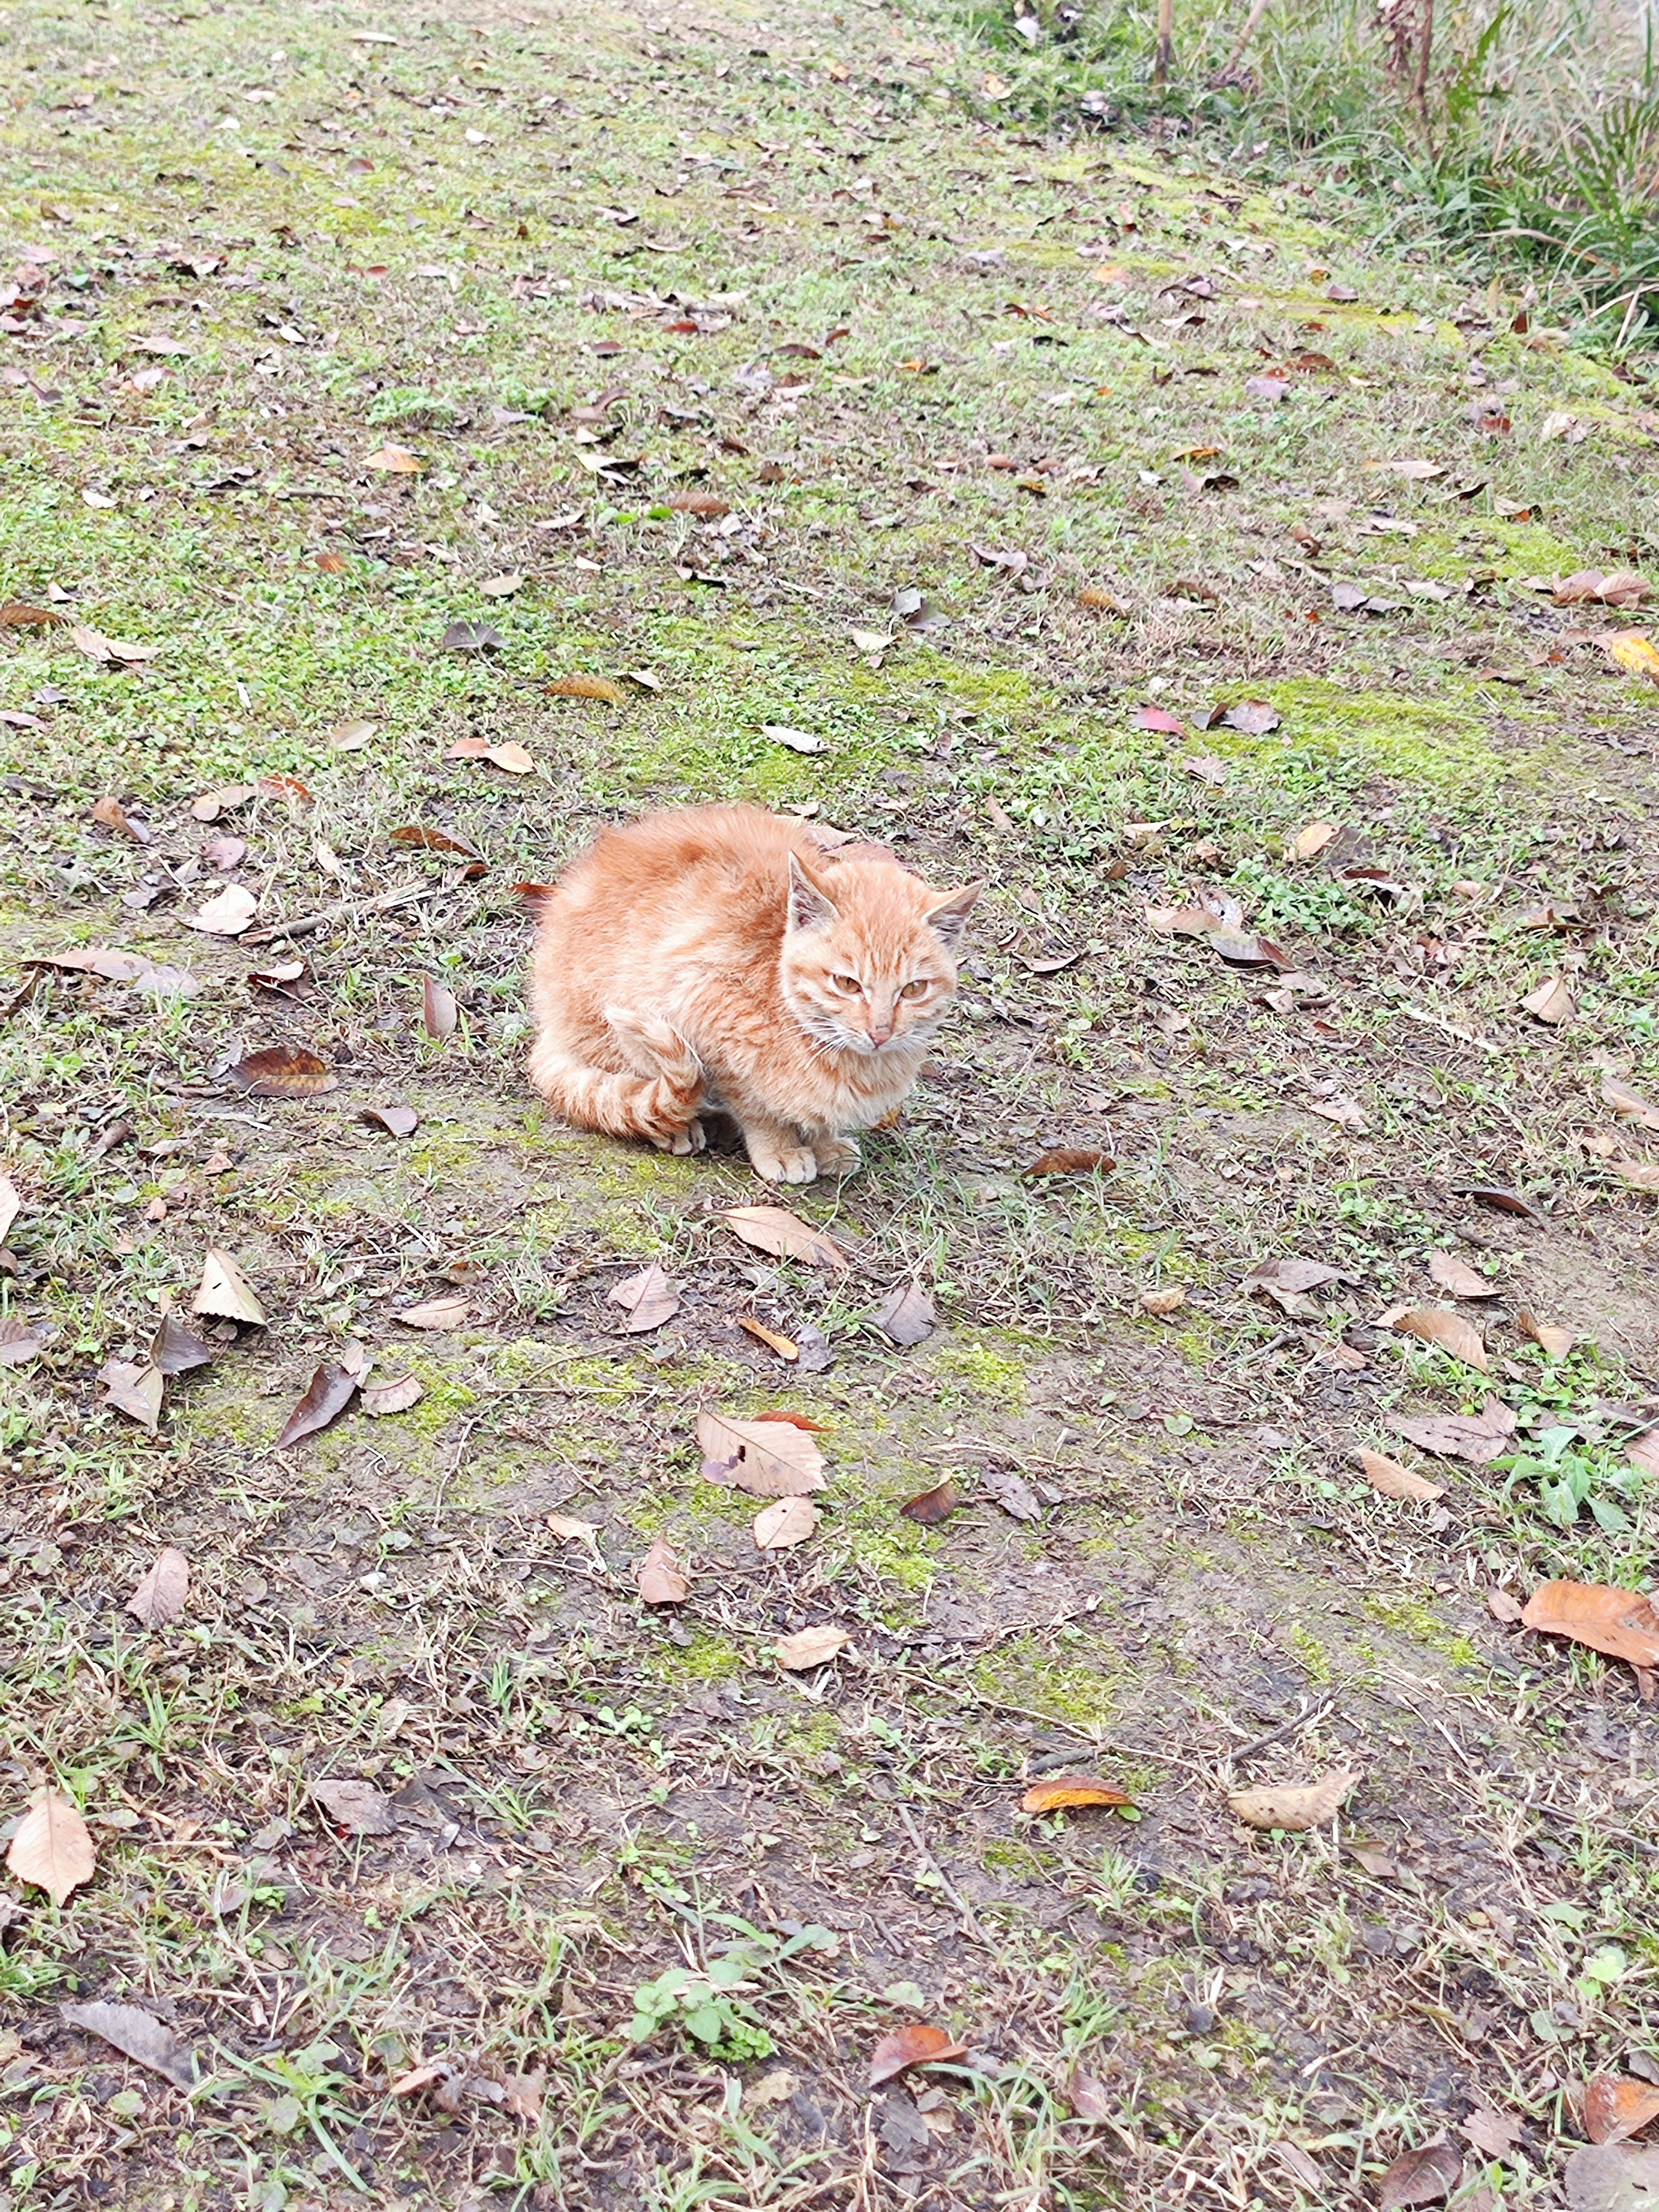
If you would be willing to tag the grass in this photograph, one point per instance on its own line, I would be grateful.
(589, 1795)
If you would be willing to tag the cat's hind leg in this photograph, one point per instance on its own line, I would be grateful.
(654, 1094)
(837, 1156)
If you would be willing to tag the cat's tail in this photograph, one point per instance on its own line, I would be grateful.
(656, 1094)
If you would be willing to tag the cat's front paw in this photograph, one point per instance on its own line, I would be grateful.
(837, 1156)
(690, 1139)
(797, 1164)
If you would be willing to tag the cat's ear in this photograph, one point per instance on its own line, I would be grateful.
(948, 917)
(810, 906)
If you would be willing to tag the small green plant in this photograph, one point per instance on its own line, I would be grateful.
(707, 2005)
(1571, 1472)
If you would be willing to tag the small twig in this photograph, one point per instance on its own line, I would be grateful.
(1285, 1727)
(969, 1924)
(304, 924)
(1258, 10)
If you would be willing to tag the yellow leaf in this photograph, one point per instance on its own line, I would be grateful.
(398, 460)
(1633, 653)
(585, 687)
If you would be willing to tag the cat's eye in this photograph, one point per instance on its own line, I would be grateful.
(849, 984)
(915, 990)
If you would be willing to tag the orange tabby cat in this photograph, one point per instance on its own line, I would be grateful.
(721, 959)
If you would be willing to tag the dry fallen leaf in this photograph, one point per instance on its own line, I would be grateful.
(227, 915)
(379, 1398)
(791, 1521)
(175, 1348)
(135, 1389)
(1502, 1606)
(906, 1314)
(770, 1458)
(225, 1290)
(1621, 1623)
(784, 1347)
(1307, 842)
(1420, 2177)
(918, 2044)
(569, 1530)
(396, 460)
(396, 1121)
(436, 1313)
(436, 841)
(330, 1391)
(1163, 1302)
(351, 737)
(284, 1071)
(931, 1506)
(1437, 1325)
(138, 2035)
(808, 1647)
(53, 1847)
(1293, 1807)
(1552, 1002)
(161, 1595)
(1477, 1438)
(1494, 2133)
(1059, 1793)
(1632, 653)
(1615, 2107)
(358, 1805)
(1396, 1481)
(19, 1344)
(502, 586)
(1456, 1277)
(586, 687)
(439, 1011)
(1070, 1159)
(647, 1298)
(661, 1581)
(774, 1229)
(1628, 1105)
(1612, 2177)
(1553, 1343)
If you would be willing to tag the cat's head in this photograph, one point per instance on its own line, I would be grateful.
(869, 958)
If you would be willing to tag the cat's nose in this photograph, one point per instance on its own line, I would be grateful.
(880, 1031)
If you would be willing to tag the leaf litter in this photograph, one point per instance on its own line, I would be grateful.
(647, 1300)
(163, 1591)
(53, 1847)
(770, 1458)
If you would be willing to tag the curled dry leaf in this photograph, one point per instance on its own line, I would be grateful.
(1553, 1343)
(779, 1526)
(1070, 1159)
(1163, 1302)
(930, 1506)
(110, 814)
(809, 1648)
(134, 1389)
(1447, 1331)
(502, 586)
(396, 1121)
(394, 460)
(1630, 1105)
(225, 1290)
(661, 1581)
(1552, 1002)
(379, 1398)
(284, 1071)
(436, 1313)
(774, 1229)
(769, 1458)
(357, 1806)
(1396, 1481)
(1621, 1623)
(1011, 1493)
(1478, 1437)
(1420, 2177)
(161, 1595)
(1615, 2107)
(648, 1299)
(569, 1530)
(918, 2044)
(798, 741)
(586, 687)
(784, 1347)
(138, 2035)
(1309, 843)
(1294, 1808)
(330, 1391)
(53, 1847)
(435, 841)
(1502, 1606)
(906, 1314)
(1059, 1793)
(175, 1348)
(17, 614)
(19, 1344)
(439, 1011)
(1457, 1278)
(226, 916)
(223, 801)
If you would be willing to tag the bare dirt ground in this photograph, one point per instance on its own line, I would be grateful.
(763, 370)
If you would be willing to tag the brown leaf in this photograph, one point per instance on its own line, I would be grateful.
(175, 1348)
(1552, 1002)
(1612, 2177)
(770, 1458)
(1070, 1159)
(53, 1847)
(789, 1521)
(1292, 1807)
(463, 636)
(1640, 1175)
(135, 1390)
(1396, 1481)
(1420, 2177)
(906, 1314)
(330, 1391)
(223, 801)
(439, 1011)
(1621, 1623)
(502, 586)
(1615, 2107)
(930, 1506)
(396, 1121)
(1254, 716)
(1310, 841)
(160, 1594)
(774, 1229)
(396, 460)
(436, 1313)
(710, 503)
(1502, 1606)
(379, 1398)
(784, 1347)
(1501, 1200)
(1553, 1343)
(1494, 2134)
(918, 2044)
(435, 841)
(225, 1290)
(1011, 1493)
(17, 614)
(96, 646)
(1628, 1104)
(110, 814)
(586, 687)
(19, 1344)
(138, 2035)
(809, 1648)
(648, 1299)
(660, 1580)
(569, 1530)
(1059, 1793)
(227, 915)
(522, 2095)
(358, 1805)
(351, 737)
(1478, 1437)
(1437, 1325)
(1457, 1277)
(284, 1071)
(1161, 1303)
(1300, 2168)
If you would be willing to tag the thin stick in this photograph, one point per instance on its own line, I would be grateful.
(1285, 1727)
(1258, 10)
(970, 1925)
(306, 923)
(1165, 53)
